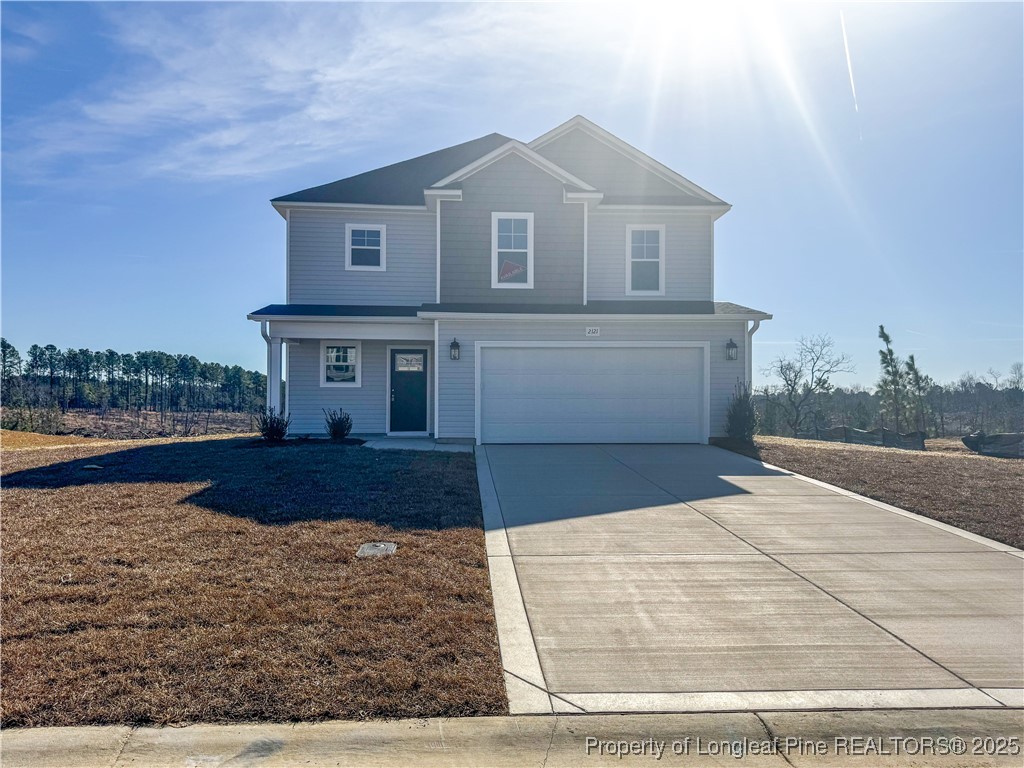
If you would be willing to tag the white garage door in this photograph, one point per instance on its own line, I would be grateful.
(591, 394)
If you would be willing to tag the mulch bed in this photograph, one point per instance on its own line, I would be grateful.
(980, 494)
(201, 581)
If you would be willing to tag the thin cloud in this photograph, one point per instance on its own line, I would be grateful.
(245, 90)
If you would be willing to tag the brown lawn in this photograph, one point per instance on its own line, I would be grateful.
(216, 580)
(980, 494)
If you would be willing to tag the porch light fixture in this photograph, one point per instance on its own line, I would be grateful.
(731, 350)
(453, 349)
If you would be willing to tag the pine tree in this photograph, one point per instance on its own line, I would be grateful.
(893, 385)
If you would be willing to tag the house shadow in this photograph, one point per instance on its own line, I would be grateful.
(544, 484)
(298, 481)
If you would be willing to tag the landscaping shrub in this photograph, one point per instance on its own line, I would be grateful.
(338, 423)
(741, 418)
(272, 426)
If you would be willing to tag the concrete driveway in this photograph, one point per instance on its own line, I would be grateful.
(633, 578)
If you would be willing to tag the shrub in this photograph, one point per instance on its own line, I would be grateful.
(338, 424)
(272, 426)
(741, 418)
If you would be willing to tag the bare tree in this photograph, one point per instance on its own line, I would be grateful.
(804, 378)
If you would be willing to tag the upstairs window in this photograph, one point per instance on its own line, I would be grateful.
(511, 250)
(340, 364)
(365, 247)
(645, 260)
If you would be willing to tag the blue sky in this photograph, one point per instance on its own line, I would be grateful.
(141, 143)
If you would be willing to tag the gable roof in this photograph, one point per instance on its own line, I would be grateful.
(520, 149)
(400, 183)
(624, 173)
(589, 160)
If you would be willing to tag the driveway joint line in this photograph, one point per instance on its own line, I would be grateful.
(892, 508)
(816, 586)
(772, 737)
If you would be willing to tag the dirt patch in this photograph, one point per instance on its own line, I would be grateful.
(980, 494)
(198, 580)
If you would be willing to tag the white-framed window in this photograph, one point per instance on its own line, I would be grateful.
(511, 250)
(645, 260)
(366, 247)
(341, 364)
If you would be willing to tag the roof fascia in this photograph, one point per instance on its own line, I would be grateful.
(585, 316)
(613, 141)
(281, 207)
(523, 151)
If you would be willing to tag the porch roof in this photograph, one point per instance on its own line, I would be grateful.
(331, 310)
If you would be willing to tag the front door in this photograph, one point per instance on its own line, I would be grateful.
(408, 390)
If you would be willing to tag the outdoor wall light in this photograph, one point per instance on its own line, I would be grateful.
(453, 349)
(731, 350)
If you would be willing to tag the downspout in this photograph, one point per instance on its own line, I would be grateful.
(750, 353)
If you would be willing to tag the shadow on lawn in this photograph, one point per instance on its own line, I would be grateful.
(277, 485)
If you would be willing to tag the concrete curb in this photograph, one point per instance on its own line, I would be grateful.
(775, 739)
(524, 680)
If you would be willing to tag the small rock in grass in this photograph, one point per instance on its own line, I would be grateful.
(377, 549)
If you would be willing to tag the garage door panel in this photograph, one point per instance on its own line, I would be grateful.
(591, 394)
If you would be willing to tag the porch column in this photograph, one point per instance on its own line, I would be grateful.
(274, 374)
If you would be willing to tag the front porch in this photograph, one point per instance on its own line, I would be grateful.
(378, 369)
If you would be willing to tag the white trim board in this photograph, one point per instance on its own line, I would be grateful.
(518, 148)
(705, 427)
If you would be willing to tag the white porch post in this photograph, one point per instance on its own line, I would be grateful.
(273, 371)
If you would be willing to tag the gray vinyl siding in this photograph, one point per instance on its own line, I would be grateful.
(457, 390)
(516, 185)
(316, 259)
(689, 254)
(366, 403)
(607, 169)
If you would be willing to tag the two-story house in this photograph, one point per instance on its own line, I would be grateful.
(559, 291)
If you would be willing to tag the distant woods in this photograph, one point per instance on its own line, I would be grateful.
(51, 379)
(802, 401)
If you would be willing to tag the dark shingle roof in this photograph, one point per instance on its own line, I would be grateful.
(401, 183)
(648, 307)
(332, 310)
(643, 307)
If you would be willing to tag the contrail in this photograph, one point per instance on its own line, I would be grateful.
(849, 68)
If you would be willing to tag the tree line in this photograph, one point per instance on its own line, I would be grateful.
(48, 377)
(802, 401)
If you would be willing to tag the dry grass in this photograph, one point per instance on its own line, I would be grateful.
(215, 580)
(946, 445)
(980, 494)
(11, 440)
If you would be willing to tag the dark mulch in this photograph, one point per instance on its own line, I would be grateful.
(203, 581)
(980, 494)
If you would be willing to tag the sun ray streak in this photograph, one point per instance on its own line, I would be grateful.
(849, 68)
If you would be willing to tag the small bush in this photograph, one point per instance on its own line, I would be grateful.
(338, 424)
(741, 418)
(272, 426)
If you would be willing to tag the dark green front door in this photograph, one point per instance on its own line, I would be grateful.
(408, 390)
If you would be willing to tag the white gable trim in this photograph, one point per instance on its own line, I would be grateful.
(518, 148)
(581, 123)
